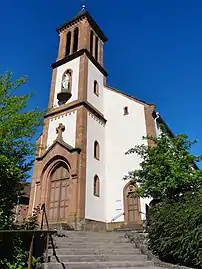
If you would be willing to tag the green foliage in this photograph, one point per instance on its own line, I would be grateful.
(16, 245)
(168, 174)
(10, 176)
(18, 126)
(166, 170)
(175, 231)
(20, 261)
(31, 223)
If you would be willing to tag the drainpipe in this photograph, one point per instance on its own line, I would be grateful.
(155, 120)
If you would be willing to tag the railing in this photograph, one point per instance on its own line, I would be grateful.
(44, 215)
(48, 238)
(118, 216)
(30, 238)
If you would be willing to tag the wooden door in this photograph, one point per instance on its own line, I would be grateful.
(133, 208)
(54, 200)
(63, 200)
(58, 201)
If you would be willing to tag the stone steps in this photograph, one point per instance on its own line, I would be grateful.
(100, 265)
(89, 245)
(90, 237)
(92, 240)
(91, 250)
(87, 234)
(98, 247)
(99, 258)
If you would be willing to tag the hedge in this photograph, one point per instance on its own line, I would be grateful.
(175, 231)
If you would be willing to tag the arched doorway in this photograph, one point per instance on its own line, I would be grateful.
(132, 210)
(58, 193)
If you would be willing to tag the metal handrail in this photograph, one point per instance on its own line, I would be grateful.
(49, 238)
(43, 208)
(118, 216)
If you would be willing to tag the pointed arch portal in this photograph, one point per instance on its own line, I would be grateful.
(58, 193)
(132, 210)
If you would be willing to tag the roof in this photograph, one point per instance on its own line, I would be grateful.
(129, 96)
(84, 14)
(63, 144)
(79, 14)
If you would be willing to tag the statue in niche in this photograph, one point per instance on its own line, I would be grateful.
(65, 93)
(65, 82)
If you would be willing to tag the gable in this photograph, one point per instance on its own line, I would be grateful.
(128, 96)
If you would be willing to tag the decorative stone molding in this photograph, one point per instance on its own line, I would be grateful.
(141, 241)
(96, 119)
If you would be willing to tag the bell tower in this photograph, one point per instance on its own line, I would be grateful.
(81, 38)
(81, 32)
(76, 97)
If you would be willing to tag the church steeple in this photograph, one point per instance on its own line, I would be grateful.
(81, 33)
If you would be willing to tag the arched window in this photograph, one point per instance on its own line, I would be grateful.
(125, 111)
(76, 38)
(91, 41)
(96, 88)
(96, 186)
(96, 48)
(61, 171)
(68, 43)
(96, 150)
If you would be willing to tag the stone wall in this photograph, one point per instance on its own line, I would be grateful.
(96, 226)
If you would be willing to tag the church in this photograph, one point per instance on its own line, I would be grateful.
(80, 160)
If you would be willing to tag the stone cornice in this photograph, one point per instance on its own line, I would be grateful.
(77, 54)
(74, 105)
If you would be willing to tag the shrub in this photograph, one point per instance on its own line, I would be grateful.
(15, 246)
(175, 231)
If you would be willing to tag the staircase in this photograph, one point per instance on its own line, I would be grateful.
(93, 250)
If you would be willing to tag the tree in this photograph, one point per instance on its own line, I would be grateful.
(18, 126)
(168, 169)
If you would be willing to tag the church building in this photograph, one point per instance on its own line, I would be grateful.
(80, 159)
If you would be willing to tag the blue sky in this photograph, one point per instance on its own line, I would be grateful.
(154, 51)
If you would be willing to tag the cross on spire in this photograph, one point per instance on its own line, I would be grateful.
(84, 5)
(59, 130)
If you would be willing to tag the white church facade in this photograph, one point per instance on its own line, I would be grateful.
(80, 160)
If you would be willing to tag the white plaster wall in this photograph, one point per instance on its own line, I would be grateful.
(95, 206)
(95, 74)
(74, 66)
(122, 133)
(69, 135)
(143, 203)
